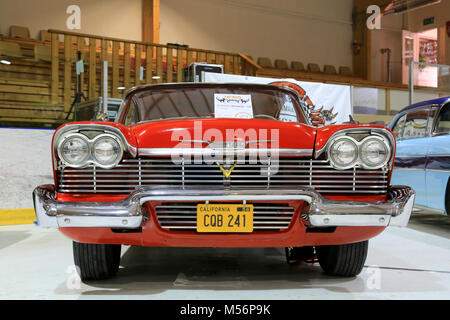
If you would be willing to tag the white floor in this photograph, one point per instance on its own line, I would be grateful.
(409, 263)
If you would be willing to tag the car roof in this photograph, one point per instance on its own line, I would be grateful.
(437, 101)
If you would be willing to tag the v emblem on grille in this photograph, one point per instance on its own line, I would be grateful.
(226, 173)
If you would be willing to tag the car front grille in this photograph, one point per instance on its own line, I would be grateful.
(183, 216)
(287, 172)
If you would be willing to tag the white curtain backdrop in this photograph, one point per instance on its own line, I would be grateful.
(323, 95)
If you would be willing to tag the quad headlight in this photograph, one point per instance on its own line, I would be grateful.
(372, 152)
(74, 150)
(343, 152)
(77, 150)
(106, 151)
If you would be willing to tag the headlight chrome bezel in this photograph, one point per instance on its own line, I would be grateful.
(334, 162)
(64, 140)
(91, 160)
(359, 162)
(387, 148)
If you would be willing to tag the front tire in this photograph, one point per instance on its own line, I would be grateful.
(96, 261)
(346, 260)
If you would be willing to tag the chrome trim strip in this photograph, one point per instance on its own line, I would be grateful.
(127, 213)
(380, 220)
(407, 169)
(438, 170)
(218, 152)
(430, 155)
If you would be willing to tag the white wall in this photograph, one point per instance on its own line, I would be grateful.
(317, 31)
(25, 162)
(114, 18)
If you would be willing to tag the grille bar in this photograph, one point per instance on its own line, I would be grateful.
(289, 172)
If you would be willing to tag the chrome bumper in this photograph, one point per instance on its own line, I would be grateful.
(127, 213)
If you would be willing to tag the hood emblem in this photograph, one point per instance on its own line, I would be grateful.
(226, 173)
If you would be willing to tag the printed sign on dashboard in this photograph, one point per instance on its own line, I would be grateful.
(233, 106)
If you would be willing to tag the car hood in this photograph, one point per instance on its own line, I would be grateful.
(170, 133)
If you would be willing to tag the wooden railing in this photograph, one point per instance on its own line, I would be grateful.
(130, 63)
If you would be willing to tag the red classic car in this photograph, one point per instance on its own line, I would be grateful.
(221, 165)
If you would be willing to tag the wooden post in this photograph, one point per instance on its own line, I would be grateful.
(159, 68)
(201, 56)
(55, 68)
(227, 64)
(115, 69)
(67, 72)
(220, 59)
(180, 59)
(149, 64)
(169, 64)
(126, 65)
(92, 67)
(104, 56)
(80, 47)
(209, 57)
(189, 54)
(236, 64)
(137, 64)
(150, 21)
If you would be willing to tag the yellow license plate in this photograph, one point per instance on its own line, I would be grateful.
(224, 218)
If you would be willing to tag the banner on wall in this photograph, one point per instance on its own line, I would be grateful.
(365, 100)
(325, 103)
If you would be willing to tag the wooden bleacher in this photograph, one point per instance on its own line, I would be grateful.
(37, 88)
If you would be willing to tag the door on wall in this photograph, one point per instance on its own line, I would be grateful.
(420, 47)
(408, 45)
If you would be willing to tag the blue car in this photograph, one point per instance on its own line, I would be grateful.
(423, 152)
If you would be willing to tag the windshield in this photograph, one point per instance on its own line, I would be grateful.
(217, 102)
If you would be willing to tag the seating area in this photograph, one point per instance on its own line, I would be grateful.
(265, 62)
(25, 78)
(19, 44)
